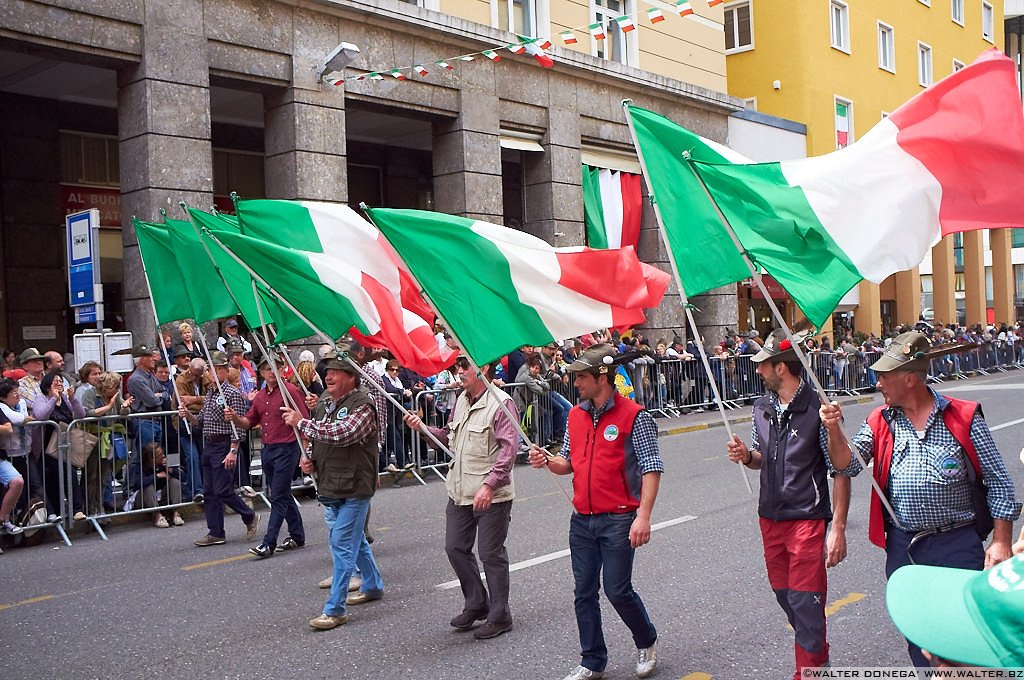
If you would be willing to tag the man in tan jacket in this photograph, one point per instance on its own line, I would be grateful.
(480, 492)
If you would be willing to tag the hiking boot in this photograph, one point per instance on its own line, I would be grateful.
(491, 630)
(364, 596)
(251, 527)
(326, 583)
(467, 618)
(354, 584)
(210, 539)
(646, 660)
(262, 551)
(326, 621)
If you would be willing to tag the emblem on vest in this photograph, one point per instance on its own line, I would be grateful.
(611, 433)
(949, 467)
(220, 400)
(342, 412)
(793, 433)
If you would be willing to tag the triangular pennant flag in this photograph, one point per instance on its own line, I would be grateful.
(540, 55)
(420, 70)
(492, 55)
(376, 76)
(712, 3)
(396, 74)
(625, 23)
(444, 64)
(516, 48)
(654, 15)
(597, 30)
(466, 57)
(568, 37)
(361, 76)
(544, 44)
(684, 8)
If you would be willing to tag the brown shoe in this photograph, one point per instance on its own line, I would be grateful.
(326, 583)
(491, 630)
(209, 539)
(364, 596)
(467, 618)
(326, 622)
(252, 527)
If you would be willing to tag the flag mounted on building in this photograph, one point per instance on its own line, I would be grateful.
(568, 37)
(612, 205)
(499, 289)
(949, 160)
(597, 30)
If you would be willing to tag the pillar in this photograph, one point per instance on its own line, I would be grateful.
(553, 187)
(305, 145)
(908, 296)
(944, 281)
(868, 316)
(974, 277)
(1002, 276)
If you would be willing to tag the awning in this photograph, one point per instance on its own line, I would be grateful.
(612, 159)
(521, 141)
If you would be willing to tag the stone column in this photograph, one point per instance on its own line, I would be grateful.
(943, 281)
(553, 187)
(164, 136)
(467, 151)
(1002, 276)
(974, 277)
(868, 316)
(305, 145)
(908, 296)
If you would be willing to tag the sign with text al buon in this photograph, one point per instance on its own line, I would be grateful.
(83, 256)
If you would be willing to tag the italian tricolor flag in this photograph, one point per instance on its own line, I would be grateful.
(949, 160)
(498, 289)
(612, 204)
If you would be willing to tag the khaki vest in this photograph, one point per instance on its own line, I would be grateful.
(346, 471)
(471, 439)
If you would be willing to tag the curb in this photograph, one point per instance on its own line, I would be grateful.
(669, 432)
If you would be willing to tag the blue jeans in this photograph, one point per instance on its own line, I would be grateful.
(601, 543)
(560, 407)
(148, 430)
(349, 549)
(279, 461)
(192, 472)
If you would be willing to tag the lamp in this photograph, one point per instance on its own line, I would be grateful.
(340, 57)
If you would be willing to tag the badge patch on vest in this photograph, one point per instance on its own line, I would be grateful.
(611, 433)
(342, 412)
(949, 467)
(220, 400)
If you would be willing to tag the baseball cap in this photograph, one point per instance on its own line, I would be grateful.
(966, 616)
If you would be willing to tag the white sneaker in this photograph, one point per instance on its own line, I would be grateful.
(177, 520)
(646, 660)
(583, 673)
(12, 528)
(161, 522)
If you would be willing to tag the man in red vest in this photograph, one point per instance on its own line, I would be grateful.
(611, 449)
(930, 452)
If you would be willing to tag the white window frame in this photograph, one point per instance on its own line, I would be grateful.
(958, 65)
(532, 20)
(630, 49)
(956, 8)
(925, 79)
(884, 28)
(836, 99)
(988, 16)
(751, 103)
(841, 42)
(732, 6)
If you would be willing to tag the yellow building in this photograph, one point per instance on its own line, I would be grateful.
(839, 66)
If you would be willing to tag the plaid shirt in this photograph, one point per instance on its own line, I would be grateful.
(352, 429)
(380, 402)
(928, 483)
(644, 437)
(774, 397)
(211, 417)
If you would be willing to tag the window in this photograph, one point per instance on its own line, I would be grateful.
(957, 65)
(751, 103)
(924, 65)
(739, 27)
(988, 29)
(240, 171)
(517, 16)
(886, 48)
(840, 21)
(957, 11)
(844, 122)
(89, 159)
(615, 46)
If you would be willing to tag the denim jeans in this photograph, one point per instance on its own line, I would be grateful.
(560, 412)
(349, 549)
(600, 543)
(192, 472)
(148, 430)
(279, 460)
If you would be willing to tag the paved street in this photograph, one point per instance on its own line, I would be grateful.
(147, 603)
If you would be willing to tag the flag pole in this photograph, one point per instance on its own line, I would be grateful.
(323, 336)
(756, 275)
(152, 304)
(687, 307)
(495, 392)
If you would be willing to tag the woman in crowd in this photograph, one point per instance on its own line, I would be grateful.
(10, 360)
(17, 443)
(57, 404)
(188, 342)
(307, 374)
(450, 382)
(394, 443)
(100, 395)
(151, 476)
(86, 393)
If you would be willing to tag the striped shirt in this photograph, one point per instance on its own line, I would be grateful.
(644, 437)
(211, 417)
(928, 483)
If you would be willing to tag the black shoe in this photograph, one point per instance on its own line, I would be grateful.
(198, 499)
(491, 630)
(467, 618)
(262, 551)
(290, 544)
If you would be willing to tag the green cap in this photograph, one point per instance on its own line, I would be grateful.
(966, 616)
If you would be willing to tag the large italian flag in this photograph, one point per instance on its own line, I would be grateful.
(949, 160)
(612, 203)
(335, 268)
(499, 289)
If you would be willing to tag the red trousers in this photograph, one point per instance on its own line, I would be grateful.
(794, 552)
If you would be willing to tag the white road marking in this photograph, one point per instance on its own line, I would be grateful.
(1009, 424)
(982, 388)
(541, 559)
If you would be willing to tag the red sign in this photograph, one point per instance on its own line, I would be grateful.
(772, 286)
(108, 201)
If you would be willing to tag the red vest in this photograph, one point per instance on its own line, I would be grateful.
(957, 417)
(601, 477)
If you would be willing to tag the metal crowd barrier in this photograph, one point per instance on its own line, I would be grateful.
(43, 469)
